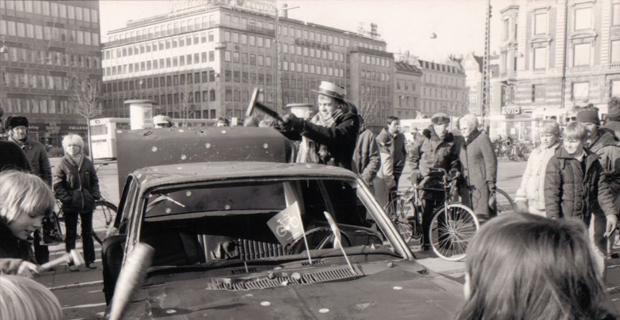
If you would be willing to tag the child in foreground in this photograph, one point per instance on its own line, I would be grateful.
(527, 267)
(24, 200)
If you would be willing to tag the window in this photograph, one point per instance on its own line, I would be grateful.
(615, 88)
(540, 26)
(581, 54)
(615, 51)
(227, 56)
(615, 15)
(538, 93)
(581, 91)
(506, 29)
(540, 56)
(583, 18)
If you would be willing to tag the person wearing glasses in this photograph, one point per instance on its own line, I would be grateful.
(437, 149)
(479, 168)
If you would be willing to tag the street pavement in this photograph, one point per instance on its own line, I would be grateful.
(80, 293)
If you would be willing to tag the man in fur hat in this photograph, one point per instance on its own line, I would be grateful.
(17, 126)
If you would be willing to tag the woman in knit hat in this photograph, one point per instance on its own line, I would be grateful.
(531, 195)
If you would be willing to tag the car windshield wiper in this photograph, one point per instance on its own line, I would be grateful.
(161, 198)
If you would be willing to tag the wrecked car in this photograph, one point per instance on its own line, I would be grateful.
(267, 240)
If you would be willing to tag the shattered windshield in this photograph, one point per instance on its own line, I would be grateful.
(258, 220)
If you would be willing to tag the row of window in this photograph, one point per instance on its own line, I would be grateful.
(168, 28)
(160, 45)
(35, 81)
(376, 76)
(163, 81)
(52, 58)
(245, 77)
(163, 63)
(180, 97)
(255, 60)
(15, 105)
(245, 39)
(290, 31)
(52, 8)
(439, 93)
(312, 69)
(383, 62)
(40, 32)
(405, 85)
(582, 20)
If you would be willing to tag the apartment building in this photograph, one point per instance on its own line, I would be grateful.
(48, 44)
(558, 54)
(407, 90)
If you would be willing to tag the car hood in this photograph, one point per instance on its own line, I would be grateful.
(394, 293)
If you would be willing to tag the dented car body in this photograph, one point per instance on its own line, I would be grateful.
(241, 239)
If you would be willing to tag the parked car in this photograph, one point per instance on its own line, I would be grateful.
(229, 243)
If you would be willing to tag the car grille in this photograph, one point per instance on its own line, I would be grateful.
(251, 250)
(332, 274)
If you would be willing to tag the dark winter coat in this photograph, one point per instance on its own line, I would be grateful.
(572, 193)
(339, 139)
(37, 157)
(479, 169)
(433, 152)
(13, 247)
(12, 157)
(366, 160)
(607, 147)
(76, 185)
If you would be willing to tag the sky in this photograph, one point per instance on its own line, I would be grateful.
(403, 24)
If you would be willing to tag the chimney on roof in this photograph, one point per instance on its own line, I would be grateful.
(284, 6)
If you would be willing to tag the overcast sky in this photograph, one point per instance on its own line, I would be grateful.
(403, 24)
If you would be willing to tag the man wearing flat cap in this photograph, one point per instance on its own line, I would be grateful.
(331, 133)
(437, 149)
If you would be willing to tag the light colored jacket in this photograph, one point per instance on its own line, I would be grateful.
(532, 188)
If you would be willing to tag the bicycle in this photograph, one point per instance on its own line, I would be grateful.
(453, 225)
(102, 206)
(503, 202)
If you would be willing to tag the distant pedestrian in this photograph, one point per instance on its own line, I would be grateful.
(40, 165)
(76, 185)
(438, 149)
(24, 200)
(366, 159)
(526, 267)
(26, 299)
(531, 195)
(393, 151)
(613, 116)
(479, 168)
(331, 133)
(575, 186)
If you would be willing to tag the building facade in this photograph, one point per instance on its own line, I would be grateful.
(49, 44)
(558, 54)
(472, 66)
(443, 88)
(407, 89)
(203, 61)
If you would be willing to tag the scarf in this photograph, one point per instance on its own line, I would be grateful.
(308, 152)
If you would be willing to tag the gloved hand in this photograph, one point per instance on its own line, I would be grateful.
(492, 200)
(522, 206)
(291, 123)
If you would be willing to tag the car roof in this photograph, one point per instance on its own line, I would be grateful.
(218, 171)
(158, 147)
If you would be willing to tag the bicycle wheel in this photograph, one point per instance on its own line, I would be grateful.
(106, 210)
(451, 231)
(398, 211)
(504, 202)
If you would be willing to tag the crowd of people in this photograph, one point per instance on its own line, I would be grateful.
(545, 262)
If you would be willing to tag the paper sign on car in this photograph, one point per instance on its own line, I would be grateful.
(287, 225)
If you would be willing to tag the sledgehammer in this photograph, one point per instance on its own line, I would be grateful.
(254, 104)
(71, 256)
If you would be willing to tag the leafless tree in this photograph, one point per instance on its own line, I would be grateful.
(369, 108)
(187, 106)
(86, 96)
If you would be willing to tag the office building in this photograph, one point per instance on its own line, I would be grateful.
(48, 45)
(203, 59)
(407, 88)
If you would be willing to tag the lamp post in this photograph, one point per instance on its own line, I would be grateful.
(278, 58)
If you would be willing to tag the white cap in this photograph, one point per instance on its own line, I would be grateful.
(161, 119)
